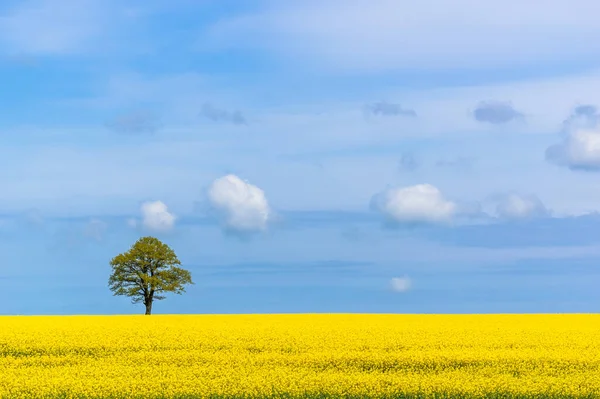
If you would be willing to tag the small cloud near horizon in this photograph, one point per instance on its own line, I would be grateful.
(155, 217)
(520, 206)
(421, 203)
(400, 284)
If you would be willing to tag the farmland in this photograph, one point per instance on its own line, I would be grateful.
(308, 355)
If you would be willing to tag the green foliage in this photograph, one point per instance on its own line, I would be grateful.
(147, 271)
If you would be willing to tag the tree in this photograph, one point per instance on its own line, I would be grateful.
(146, 271)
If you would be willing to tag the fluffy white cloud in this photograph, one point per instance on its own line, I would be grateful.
(400, 284)
(422, 203)
(578, 150)
(156, 217)
(242, 206)
(580, 145)
(515, 206)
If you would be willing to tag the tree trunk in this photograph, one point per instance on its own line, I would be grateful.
(148, 307)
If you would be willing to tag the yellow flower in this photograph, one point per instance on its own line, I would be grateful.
(299, 355)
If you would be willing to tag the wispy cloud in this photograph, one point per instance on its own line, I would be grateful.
(584, 116)
(383, 108)
(215, 114)
(33, 217)
(364, 36)
(50, 27)
(95, 229)
(68, 27)
(496, 112)
(408, 162)
(458, 162)
(135, 122)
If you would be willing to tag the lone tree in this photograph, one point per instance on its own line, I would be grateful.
(146, 271)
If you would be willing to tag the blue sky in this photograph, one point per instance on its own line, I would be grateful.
(303, 156)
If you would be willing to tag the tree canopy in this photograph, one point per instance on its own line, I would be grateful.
(147, 271)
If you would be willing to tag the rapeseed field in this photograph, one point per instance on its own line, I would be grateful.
(314, 356)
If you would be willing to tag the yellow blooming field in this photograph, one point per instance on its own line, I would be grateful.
(314, 355)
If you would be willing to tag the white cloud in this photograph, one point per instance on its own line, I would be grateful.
(422, 203)
(156, 217)
(579, 150)
(580, 145)
(337, 139)
(243, 206)
(388, 34)
(516, 206)
(401, 284)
